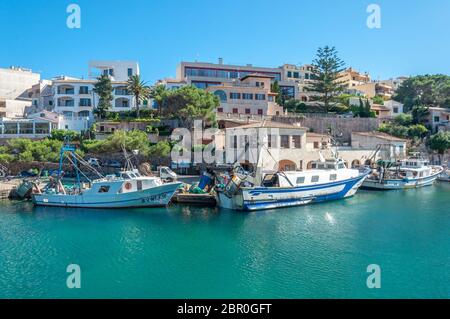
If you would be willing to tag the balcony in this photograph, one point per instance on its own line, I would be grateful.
(122, 103)
(65, 90)
(122, 91)
(66, 102)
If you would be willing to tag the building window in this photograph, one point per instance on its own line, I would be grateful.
(284, 141)
(436, 118)
(84, 90)
(270, 98)
(247, 111)
(235, 96)
(130, 72)
(272, 141)
(395, 109)
(220, 110)
(85, 102)
(247, 96)
(235, 111)
(222, 95)
(297, 141)
(314, 179)
(289, 74)
(260, 112)
(296, 75)
(260, 96)
(316, 144)
(287, 91)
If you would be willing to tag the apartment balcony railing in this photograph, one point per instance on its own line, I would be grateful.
(66, 104)
(66, 92)
(121, 92)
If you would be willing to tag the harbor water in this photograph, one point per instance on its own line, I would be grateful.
(315, 251)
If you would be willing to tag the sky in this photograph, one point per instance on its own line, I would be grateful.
(414, 37)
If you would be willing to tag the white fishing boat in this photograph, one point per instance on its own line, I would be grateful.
(409, 173)
(129, 189)
(445, 175)
(327, 180)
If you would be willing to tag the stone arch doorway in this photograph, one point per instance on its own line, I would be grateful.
(286, 165)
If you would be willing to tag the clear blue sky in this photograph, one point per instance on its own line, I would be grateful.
(414, 37)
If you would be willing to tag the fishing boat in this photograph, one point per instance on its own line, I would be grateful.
(328, 179)
(408, 173)
(127, 189)
(445, 175)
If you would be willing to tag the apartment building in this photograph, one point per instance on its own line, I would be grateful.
(204, 75)
(438, 119)
(372, 89)
(249, 95)
(302, 77)
(352, 78)
(15, 95)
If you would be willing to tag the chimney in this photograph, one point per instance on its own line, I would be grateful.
(220, 60)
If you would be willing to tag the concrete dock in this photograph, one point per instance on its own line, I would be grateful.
(6, 187)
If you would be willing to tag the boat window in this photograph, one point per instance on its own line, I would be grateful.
(300, 180)
(139, 185)
(333, 177)
(132, 175)
(330, 166)
(270, 180)
(314, 165)
(321, 166)
(125, 176)
(103, 189)
(341, 165)
(314, 179)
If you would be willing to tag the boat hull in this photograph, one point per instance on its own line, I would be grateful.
(260, 198)
(153, 197)
(391, 184)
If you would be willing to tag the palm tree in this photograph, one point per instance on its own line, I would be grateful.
(139, 89)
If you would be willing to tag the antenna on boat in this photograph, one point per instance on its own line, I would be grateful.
(128, 163)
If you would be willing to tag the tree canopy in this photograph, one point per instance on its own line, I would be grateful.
(440, 142)
(103, 88)
(428, 90)
(189, 103)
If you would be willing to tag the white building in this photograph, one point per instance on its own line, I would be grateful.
(15, 83)
(117, 70)
(15, 94)
(390, 147)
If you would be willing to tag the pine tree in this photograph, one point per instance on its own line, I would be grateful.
(327, 67)
(104, 89)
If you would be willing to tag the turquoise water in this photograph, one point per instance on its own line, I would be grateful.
(312, 251)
